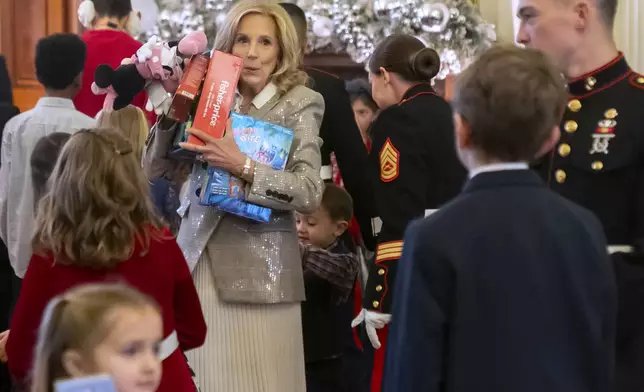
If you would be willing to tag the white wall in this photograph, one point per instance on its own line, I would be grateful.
(629, 34)
(501, 13)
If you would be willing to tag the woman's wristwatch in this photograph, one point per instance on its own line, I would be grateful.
(247, 172)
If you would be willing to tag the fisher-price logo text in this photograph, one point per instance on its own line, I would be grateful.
(218, 102)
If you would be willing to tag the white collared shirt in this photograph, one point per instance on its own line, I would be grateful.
(19, 138)
(498, 167)
(260, 99)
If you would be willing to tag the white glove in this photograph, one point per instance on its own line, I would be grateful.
(372, 321)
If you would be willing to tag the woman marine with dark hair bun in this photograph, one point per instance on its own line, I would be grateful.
(414, 160)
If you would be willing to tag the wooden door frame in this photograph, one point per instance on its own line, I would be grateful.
(60, 17)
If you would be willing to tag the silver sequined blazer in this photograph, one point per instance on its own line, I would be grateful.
(260, 262)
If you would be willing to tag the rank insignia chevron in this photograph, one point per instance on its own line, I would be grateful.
(389, 161)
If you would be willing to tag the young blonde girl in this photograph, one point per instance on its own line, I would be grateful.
(132, 123)
(96, 223)
(96, 329)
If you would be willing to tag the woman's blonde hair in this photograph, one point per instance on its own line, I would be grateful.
(287, 74)
(79, 320)
(98, 208)
(132, 123)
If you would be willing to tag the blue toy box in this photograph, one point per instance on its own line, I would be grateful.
(264, 143)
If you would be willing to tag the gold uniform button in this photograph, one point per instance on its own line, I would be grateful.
(571, 126)
(381, 272)
(640, 80)
(560, 176)
(564, 150)
(597, 165)
(574, 105)
(610, 113)
(379, 288)
(376, 304)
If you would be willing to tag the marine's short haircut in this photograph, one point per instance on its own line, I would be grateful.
(608, 10)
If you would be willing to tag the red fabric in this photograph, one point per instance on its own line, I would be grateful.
(354, 229)
(357, 308)
(378, 360)
(161, 273)
(105, 47)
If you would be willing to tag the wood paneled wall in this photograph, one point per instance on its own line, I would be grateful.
(22, 24)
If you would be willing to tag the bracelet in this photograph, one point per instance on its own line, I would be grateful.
(247, 166)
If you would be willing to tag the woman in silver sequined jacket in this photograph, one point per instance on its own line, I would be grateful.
(249, 274)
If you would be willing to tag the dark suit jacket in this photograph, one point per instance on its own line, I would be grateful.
(509, 288)
(341, 135)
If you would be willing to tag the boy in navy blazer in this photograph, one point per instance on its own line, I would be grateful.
(509, 287)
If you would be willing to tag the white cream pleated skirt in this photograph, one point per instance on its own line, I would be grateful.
(248, 348)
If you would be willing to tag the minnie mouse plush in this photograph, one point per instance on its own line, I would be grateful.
(156, 67)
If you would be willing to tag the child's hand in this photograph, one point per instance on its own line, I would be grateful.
(4, 336)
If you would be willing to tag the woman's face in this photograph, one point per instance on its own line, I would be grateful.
(256, 43)
(381, 90)
(364, 116)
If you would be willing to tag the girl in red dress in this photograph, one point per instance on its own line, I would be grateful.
(97, 223)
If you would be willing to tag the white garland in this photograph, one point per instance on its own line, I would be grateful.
(454, 28)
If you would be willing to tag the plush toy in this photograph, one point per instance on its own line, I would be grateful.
(120, 85)
(156, 67)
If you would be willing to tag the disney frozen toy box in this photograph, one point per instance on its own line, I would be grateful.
(264, 143)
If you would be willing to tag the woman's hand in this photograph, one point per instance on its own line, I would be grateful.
(222, 153)
(4, 336)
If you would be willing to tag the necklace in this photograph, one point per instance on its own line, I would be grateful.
(245, 107)
(108, 25)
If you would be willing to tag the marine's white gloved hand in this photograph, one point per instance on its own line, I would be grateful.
(372, 322)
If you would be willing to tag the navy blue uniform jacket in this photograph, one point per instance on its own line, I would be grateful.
(509, 288)
(414, 168)
(599, 164)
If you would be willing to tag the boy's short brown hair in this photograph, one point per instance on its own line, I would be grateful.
(337, 202)
(511, 98)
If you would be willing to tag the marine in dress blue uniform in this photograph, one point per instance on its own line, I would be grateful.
(599, 164)
(416, 170)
